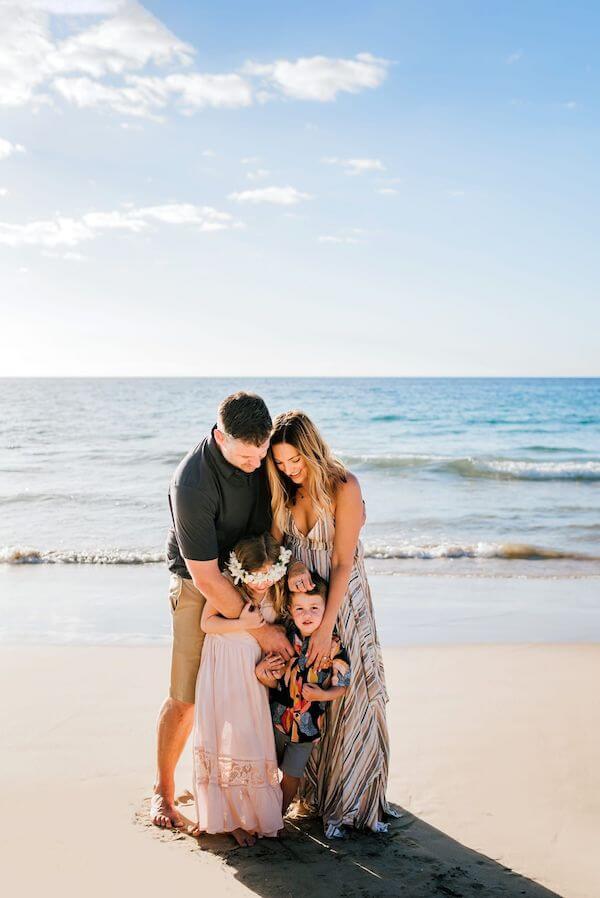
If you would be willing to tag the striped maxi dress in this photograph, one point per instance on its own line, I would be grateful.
(346, 777)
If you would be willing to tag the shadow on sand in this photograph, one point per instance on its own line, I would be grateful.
(413, 859)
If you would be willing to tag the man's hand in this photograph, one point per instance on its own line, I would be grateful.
(272, 639)
(299, 579)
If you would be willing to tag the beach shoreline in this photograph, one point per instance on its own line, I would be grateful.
(127, 605)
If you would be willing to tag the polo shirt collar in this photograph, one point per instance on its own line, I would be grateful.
(225, 468)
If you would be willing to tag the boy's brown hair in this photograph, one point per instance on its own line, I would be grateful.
(321, 587)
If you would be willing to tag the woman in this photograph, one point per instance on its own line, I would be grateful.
(318, 513)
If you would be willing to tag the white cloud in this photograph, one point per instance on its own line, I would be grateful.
(69, 255)
(332, 238)
(7, 148)
(77, 7)
(3, 191)
(146, 97)
(66, 231)
(125, 43)
(250, 160)
(208, 153)
(195, 91)
(514, 57)
(279, 196)
(30, 57)
(320, 77)
(258, 174)
(387, 191)
(57, 232)
(350, 236)
(25, 44)
(355, 166)
(455, 194)
(87, 94)
(129, 40)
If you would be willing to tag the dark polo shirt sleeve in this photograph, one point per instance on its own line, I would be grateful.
(194, 515)
(213, 505)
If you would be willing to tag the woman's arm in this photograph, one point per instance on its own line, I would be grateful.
(298, 575)
(348, 521)
(213, 622)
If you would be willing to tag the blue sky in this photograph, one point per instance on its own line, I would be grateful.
(299, 189)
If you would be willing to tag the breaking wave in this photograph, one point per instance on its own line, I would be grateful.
(491, 468)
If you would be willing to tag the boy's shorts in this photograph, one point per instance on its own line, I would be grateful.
(187, 603)
(292, 757)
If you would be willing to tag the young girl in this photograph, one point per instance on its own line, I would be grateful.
(235, 766)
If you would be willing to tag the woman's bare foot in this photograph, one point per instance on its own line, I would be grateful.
(163, 813)
(244, 839)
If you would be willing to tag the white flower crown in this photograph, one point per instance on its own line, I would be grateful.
(274, 573)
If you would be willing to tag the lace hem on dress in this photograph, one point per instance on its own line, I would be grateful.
(225, 771)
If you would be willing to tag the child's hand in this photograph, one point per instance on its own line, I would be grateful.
(311, 692)
(275, 664)
(251, 617)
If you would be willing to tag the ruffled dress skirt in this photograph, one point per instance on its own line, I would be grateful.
(236, 782)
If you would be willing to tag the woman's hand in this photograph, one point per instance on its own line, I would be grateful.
(251, 617)
(320, 647)
(299, 579)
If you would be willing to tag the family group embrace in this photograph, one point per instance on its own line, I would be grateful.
(276, 664)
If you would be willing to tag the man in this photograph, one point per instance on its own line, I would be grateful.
(219, 494)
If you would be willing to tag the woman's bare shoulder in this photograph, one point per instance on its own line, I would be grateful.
(348, 490)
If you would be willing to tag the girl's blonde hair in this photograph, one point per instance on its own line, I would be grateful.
(325, 472)
(254, 553)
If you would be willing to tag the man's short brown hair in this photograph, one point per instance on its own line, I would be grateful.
(245, 417)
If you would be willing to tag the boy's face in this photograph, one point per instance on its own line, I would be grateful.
(307, 611)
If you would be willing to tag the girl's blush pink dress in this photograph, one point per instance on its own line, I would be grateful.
(236, 781)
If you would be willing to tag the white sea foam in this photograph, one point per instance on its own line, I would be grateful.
(495, 468)
(373, 550)
(508, 551)
(28, 555)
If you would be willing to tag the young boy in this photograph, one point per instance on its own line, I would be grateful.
(297, 692)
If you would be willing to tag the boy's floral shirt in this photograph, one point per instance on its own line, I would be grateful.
(293, 715)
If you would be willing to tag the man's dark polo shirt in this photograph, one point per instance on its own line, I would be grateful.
(213, 505)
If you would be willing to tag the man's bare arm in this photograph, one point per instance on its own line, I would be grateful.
(223, 596)
(219, 591)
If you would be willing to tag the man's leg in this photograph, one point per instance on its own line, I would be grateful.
(174, 726)
(176, 716)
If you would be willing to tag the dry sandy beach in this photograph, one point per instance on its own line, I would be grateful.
(494, 760)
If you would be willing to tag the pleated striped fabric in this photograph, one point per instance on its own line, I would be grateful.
(346, 777)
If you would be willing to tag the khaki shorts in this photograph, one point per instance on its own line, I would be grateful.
(187, 603)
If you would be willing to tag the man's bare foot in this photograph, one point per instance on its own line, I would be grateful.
(244, 839)
(163, 813)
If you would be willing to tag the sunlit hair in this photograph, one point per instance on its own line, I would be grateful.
(254, 553)
(324, 472)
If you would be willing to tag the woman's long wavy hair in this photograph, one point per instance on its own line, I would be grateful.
(325, 472)
(254, 553)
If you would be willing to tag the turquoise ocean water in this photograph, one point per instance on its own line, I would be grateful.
(493, 476)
